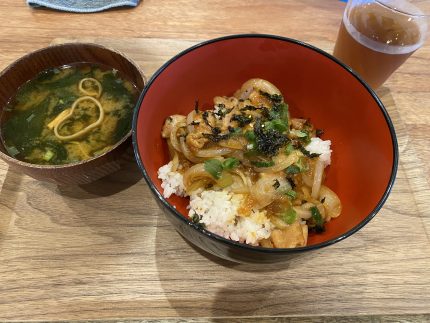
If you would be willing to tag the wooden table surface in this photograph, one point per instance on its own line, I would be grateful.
(105, 251)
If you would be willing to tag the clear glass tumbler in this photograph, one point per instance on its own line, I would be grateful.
(377, 36)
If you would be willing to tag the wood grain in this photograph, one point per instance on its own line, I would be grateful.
(105, 251)
(23, 29)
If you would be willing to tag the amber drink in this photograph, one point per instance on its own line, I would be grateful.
(376, 37)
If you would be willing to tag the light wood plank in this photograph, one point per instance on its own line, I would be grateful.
(88, 253)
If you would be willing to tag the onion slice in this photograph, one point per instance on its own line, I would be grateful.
(282, 161)
(331, 202)
(194, 173)
(174, 137)
(190, 119)
(213, 152)
(187, 152)
(318, 175)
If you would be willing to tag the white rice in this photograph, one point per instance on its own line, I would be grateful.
(218, 211)
(171, 182)
(322, 147)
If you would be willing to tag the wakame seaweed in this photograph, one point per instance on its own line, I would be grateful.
(123, 125)
(68, 80)
(113, 86)
(59, 151)
(64, 100)
(27, 130)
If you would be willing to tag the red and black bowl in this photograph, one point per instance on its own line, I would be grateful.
(315, 85)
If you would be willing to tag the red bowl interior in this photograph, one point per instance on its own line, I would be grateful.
(314, 85)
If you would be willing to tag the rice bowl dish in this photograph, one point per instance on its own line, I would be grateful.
(252, 173)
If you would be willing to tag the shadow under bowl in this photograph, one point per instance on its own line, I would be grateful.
(315, 85)
(28, 67)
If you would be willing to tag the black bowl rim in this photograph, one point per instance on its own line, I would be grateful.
(232, 243)
(41, 51)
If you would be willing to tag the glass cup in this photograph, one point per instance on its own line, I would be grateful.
(377, 36)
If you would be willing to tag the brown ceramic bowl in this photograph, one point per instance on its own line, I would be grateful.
(28, 67)
(315, 85)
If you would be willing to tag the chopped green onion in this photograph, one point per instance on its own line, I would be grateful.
(214, 167)
(277, 124)
(12, 150)
(291, 194)
(230, 163)
(30, 117)
(250, 136)
(302, 164)
(299, 167)
(289, 149)
(293, 169)
(48, 155)
(279, 111)
(289, 216)
(301, 134)
(318, 221)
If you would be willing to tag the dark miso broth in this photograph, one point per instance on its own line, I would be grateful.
(68, 114)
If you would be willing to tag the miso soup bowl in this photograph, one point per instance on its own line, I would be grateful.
(316, 86)
(27, 67)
